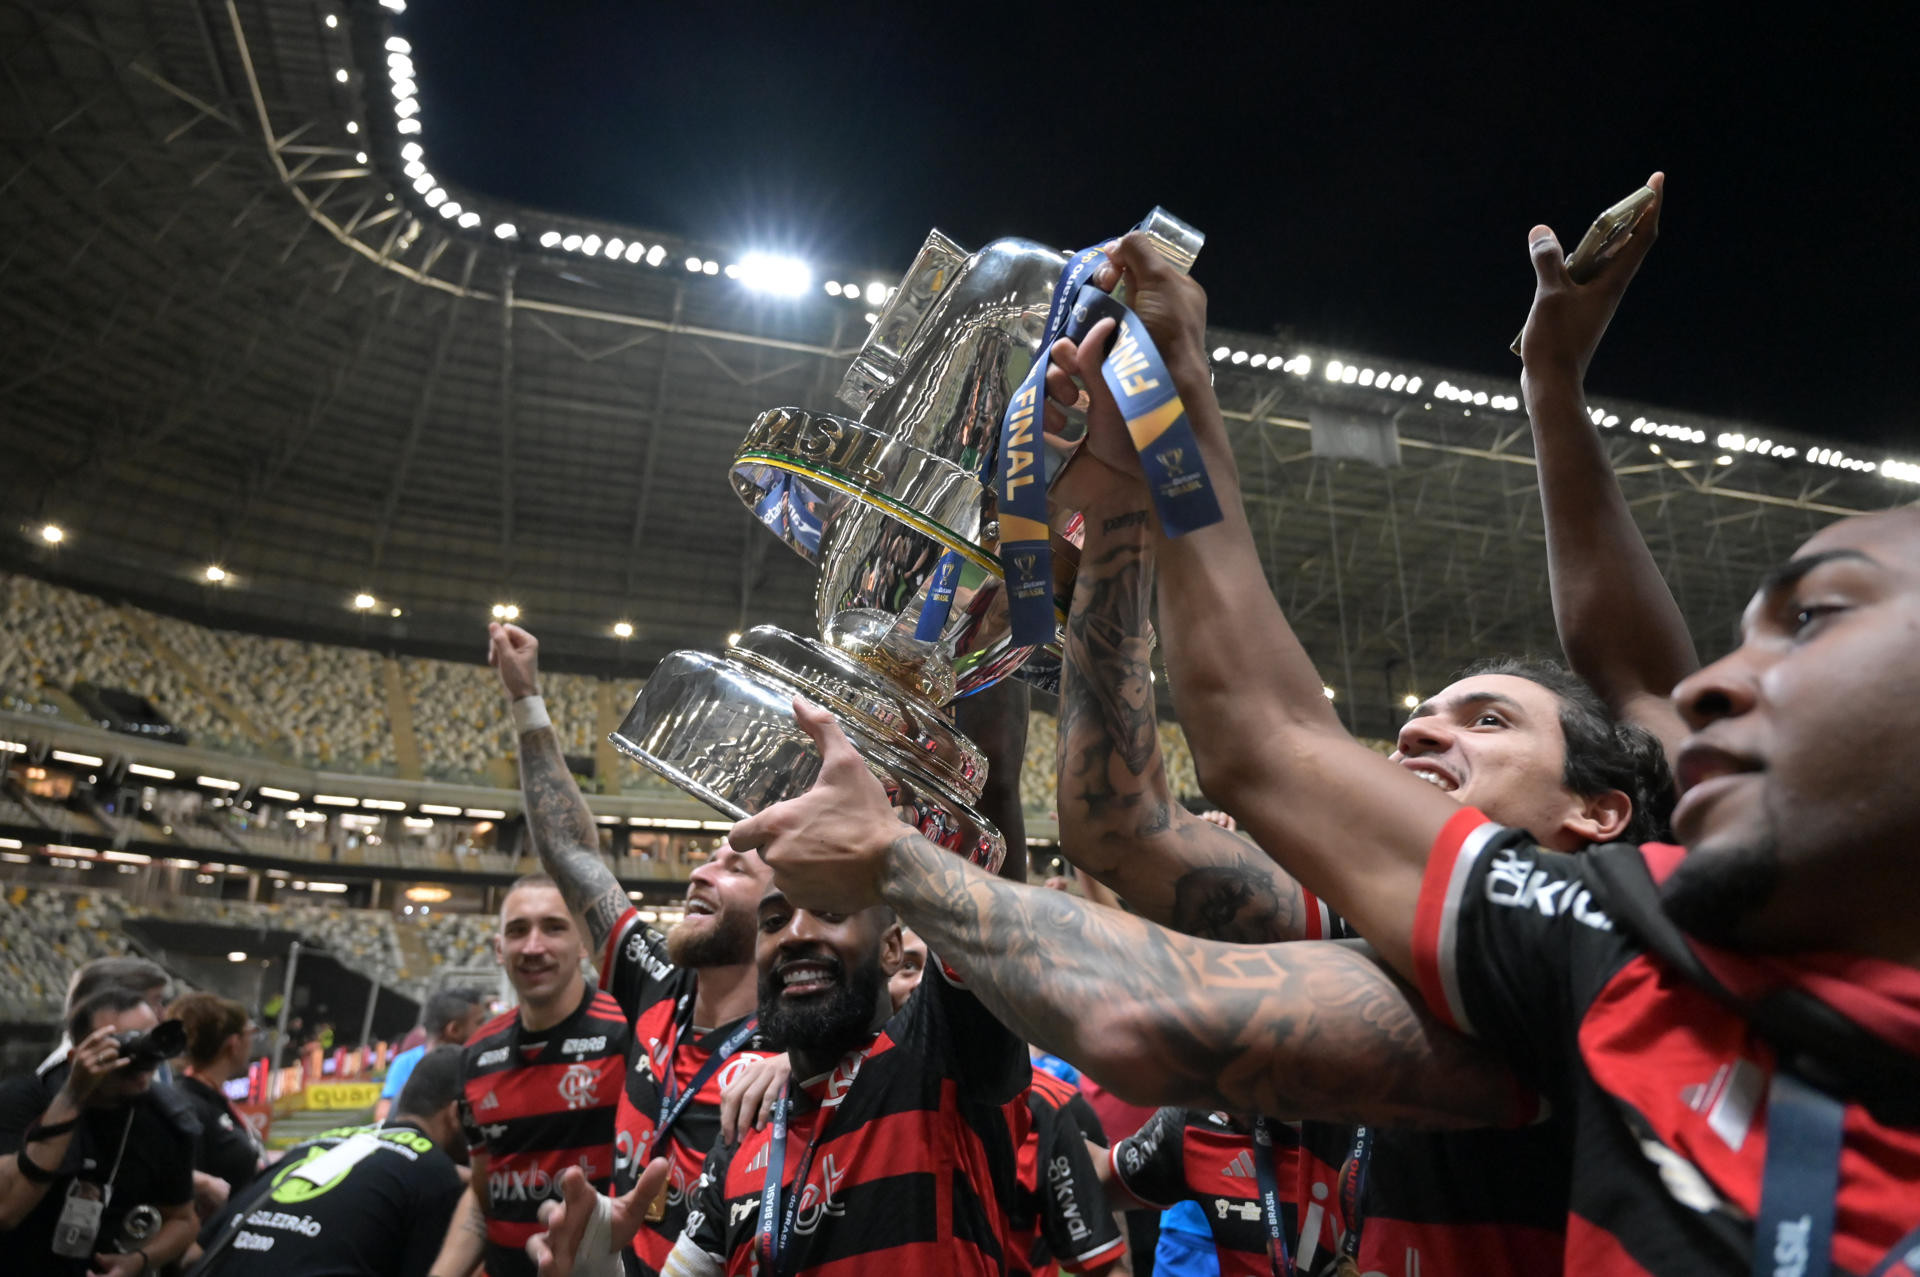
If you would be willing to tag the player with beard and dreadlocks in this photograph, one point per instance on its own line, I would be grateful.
(689, 994)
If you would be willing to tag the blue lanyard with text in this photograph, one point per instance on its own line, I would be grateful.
(776, 1226)
(672, 1103)
(1800, 1187)
(1156, 420)
(1278, 1254)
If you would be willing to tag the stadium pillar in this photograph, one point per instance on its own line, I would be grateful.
(286, 994)
(366, 1021)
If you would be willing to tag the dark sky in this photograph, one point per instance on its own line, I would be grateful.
(1366, 173)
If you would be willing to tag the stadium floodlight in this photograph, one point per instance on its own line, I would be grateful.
(383, 804)
(635, 251)
(360, 157)
(1221, 352)
(52, 533)
(1334, 367)
(506, 230)
(403, 91)
(283, 795)
(733, 639)
(1258, 361)
(407, 126)
(693, 264)
(393, 612)
(571, 243)
(151, 772)
(1366, 376)
(615, 247)
(333, 21)
(341, 75)
(78, 760)
(394, 6)
(450, 209)
(876, 293)
(364, 601)
(1411, 700)
(411, 151)
(406, 108)
(217, 782)
(1327, 692)
(590, 245)
(656, 254)
(439, 809)
(780, 276)
(709, 267)
(398, 44)
(436, 197)
(873, 317)
(469, 220)
(1413, 386)
(236, 956)
(731, 270)
(335, 800)
(550, 239)
(833, 288)
(424, 183)
(353, 126)
(1480, 398)
(1239, 356)
(623, 629)
(216, 573)
(1349, 374)
(483, 813)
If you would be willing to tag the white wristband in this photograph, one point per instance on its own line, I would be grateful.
(529, 714)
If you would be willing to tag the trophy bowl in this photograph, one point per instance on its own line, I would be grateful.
(721, 727)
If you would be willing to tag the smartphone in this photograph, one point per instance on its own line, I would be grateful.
(1606, 237)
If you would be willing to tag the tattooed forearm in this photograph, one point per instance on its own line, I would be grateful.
(1118, 817)
(1291, 1030)
(565, 836)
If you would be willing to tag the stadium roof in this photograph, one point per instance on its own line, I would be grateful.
(244, 332)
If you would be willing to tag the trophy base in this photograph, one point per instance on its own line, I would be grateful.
(722, 729)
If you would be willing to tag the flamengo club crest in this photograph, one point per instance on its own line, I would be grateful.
(577, 1086)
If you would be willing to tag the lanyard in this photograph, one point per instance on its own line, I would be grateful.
(1800, 1186)
(1156, 420)
(1279, 1257)
(673, 1103)
(1353, 1190)
(776, 1225)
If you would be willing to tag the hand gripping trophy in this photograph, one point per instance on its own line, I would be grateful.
(905, 510)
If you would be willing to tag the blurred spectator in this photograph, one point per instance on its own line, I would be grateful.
(381, 1213)
(449, 1018)
(219, 1047)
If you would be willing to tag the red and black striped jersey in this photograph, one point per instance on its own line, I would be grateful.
(1490, 1202)
(536, 1104)
(657, 999)
(1059, 1217)
(1208, 1159)
(1665, 1086)
(914, 1161)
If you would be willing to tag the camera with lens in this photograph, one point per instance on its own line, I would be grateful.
(153, 1047)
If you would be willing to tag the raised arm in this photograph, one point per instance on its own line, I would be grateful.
(1350, 826)
(558, 818)
(1119, 820)
(1309, 1029)
(1618, 623)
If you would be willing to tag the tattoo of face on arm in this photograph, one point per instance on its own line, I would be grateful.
(1306, 1029)
(565, 835)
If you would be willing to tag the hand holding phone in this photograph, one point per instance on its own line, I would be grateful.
(1603, 241)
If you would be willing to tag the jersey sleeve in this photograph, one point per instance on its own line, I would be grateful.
(436, 1198)
(469, 1125)
(632, 962)
(963, 1040)
(21, 1100)
(1151, 1163)
(1496, 937)
(1080, 1113)
(1075, 1219)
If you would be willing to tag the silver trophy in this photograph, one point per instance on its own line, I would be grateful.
(874, 502)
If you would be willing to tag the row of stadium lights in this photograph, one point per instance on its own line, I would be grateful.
(789, 277)
(1300, 365)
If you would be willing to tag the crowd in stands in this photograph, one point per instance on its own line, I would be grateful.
(457, 939)
(44, 935)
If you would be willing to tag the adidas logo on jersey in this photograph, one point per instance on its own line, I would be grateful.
(759, 1162)
(488, 1101)
(1241, 1167)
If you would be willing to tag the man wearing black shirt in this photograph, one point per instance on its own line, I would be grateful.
(98, 1162)
(369, 1201)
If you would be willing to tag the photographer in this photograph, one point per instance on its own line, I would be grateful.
(96, 1164)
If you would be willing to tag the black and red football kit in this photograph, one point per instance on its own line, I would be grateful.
(903, 1160)
(1671, 1093)
(535, 1104)
(1059, 1217)
(1185, 1155)
(667, 1074)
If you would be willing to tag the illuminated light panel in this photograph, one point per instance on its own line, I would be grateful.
(80, 760)
(439, 809)
(217, 782)
(152, 773)
(335, 800)
(482, 813)
(283, 795)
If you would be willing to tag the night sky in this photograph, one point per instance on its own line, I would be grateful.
(1366, 174)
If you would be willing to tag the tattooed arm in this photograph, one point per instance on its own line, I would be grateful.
(558, 819)
(1119, 820)
(1312, 1028)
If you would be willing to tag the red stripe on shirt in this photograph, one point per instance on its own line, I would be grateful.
(1431, 910)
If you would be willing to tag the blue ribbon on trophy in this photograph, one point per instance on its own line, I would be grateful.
(1134, 371)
